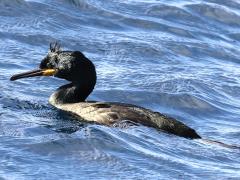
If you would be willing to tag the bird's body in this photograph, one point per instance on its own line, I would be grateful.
(112, 113)
(80, 71)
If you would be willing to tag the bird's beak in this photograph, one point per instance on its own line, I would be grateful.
(38, 72)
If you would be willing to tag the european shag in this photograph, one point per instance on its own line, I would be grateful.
(75, 67)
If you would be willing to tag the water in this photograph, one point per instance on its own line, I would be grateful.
(180, 58)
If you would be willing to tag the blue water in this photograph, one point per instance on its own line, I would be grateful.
(181, 58)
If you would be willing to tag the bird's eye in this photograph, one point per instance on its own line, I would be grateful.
(49, 65)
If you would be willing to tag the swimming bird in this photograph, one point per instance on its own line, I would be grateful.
(75, 67)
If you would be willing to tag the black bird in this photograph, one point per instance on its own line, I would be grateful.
(80, 71)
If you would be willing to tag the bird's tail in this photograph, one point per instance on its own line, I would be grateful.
(214, 142)
(173, 126)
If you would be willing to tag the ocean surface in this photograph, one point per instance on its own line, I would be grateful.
(180, 57)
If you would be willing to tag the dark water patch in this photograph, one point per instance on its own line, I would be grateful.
(235, 36)
(228, 3)
(12, 3)
(170, 12)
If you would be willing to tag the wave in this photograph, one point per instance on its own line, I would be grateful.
(215, 12)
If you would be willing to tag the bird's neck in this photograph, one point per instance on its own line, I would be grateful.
(71, 93)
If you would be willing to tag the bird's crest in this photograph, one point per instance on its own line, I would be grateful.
(55, 47)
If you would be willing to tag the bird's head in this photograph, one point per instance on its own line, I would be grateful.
(70, 65)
